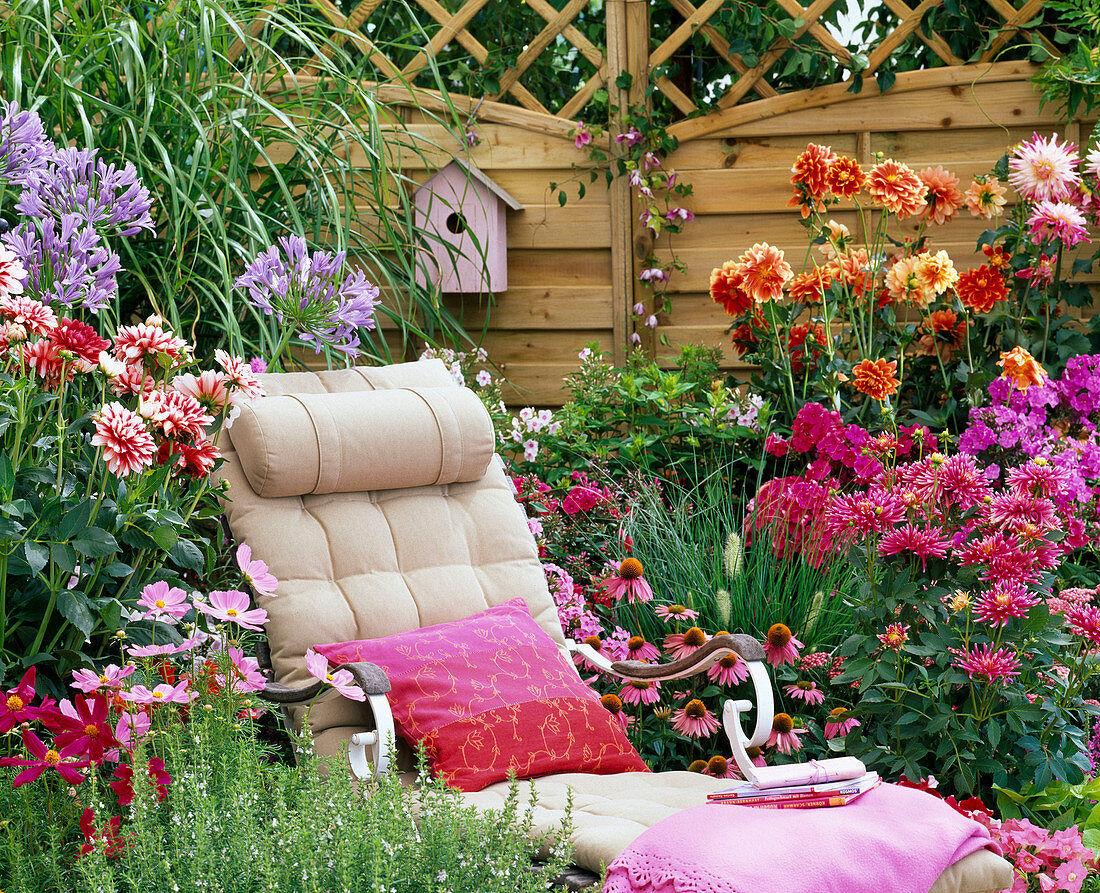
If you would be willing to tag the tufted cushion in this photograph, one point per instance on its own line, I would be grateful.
(363, 565)
(296, 444)
(491, 694)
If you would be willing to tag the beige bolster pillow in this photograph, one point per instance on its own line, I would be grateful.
(295, 444)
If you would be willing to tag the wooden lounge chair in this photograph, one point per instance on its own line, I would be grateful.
(375, 497)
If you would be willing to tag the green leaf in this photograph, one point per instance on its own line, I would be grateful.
(74, 519)
(187, 555)
(94, 542)
(64, 556)
(166, 536)
(624, 81)
(7, 474)
(37, 555)
(73, 605)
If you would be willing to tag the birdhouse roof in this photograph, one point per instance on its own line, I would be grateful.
(476, 174)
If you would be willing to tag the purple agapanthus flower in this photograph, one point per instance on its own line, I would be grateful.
(24, 148)
(74, 181)
(311, 292)
(67, 262)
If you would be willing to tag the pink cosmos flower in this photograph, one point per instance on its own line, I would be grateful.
(729, 670)
(1057, 220)
(806, 691)
(839, 723)
(162, 694)
(635, 692)
(110, 676)
(784, 736)
(132, 728)
(163, 650)
(245, 673)
(255, 572)
(780, 645)
(983, 662)
(628, 582)
(341, 680)
(43, 758)
(688, 642)
(127, 444)
(15, 708)
(232, 606)
(694, 720)
(997, 606)
(1043, 170)
(160, 601)
(909, 540)
(675, 612)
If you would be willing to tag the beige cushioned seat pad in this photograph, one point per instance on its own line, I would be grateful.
(610, 811)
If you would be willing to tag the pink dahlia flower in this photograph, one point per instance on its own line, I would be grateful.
(805, 691)
(780, 645)
(1002, 603)
(628, 582)
(232, 606)
(30, 313)
(127, 444)
(895, 636)
(1043, 170)
(911, 541)
(694, 720)
(160, 601)
(240, 375)
(341, 680)
(12, 273)
(255, 572)
(985, 663)
(133, 343)
(1058, 220)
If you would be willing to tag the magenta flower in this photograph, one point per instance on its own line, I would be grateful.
(640, 692)
(232, 606)
(1057, 220)
(1044, 170)
(628, 582)
(729, 670)
(909, 540)
(164, 693)
(675, 612)
(88, 725)
(780, 645)
(983, 662)
(784, 736)
(694, 720)
(255, 572)
(894, 637)
(245, 673)
(110, 676)
(806, 691)
(341, 680)
(1084, 620)
(160, 602)
(1001, 603)
(43, 758)
(839, 723)
(16, 707)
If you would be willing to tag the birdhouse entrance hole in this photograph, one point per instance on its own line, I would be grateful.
(455, 223)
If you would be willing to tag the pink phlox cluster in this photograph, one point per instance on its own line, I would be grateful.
(790, 511)
(573, 613)
(1058, 860)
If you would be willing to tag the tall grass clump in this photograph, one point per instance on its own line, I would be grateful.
(248, 122)
(690, 540)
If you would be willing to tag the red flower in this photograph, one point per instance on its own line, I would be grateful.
(15, 707)
(725, 289)
(810, 173)
(43, 758)
(113, 845)
(79, 338)
(981, 289)
(90, 728)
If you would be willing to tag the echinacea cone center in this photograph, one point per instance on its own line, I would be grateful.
(718, 765)
(612, 703)
(635, 642)
(782, 723)
(695, 637)
(630, 569)
(696, 709)
(838, 713)
(779, 635)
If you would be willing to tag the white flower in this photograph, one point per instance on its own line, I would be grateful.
(584, 354)
(530, 450)
(483, 378)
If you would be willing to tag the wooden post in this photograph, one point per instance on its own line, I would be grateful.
(627, 53)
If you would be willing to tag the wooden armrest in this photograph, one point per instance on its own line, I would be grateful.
(369, 677)
(698, 661)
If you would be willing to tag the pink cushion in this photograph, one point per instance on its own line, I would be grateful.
(492, 694)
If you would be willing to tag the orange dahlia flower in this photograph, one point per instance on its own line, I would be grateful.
(1022, 368)
(725, 289)
(809, 287)
(809, 178)
(942, 334)
(897, 188)
(875, 378)
(980, 289)
(764, 272)
(936, 271)
(985, 198)
(942, 195)
(904, 282)
(845, 177)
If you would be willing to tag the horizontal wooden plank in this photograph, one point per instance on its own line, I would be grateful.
(587, 267)
(540, 308)
(532, 187)
(710, 336)
(501, 146)
(545, 346)
(577, 225)
(778, 151)
(537, 384)
(946, 147)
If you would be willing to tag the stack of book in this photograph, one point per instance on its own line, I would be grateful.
(804, 796)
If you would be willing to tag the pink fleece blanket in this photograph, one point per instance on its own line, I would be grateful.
(891, 838)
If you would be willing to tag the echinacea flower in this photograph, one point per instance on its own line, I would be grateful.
(942, 197)
(232, 606)
(43, 758)
(688, 642)
(675, 612)
(1057, 220)
(127, 444)
(15, 706)
(88, 724)
(780, 645)
(807, 691)
(894, 637)
(985, 198)
(981, 288)
(341, 680)
(160, 601)
(110, 676)
(839, 722)
(1043, 170)
(255, 572)
(1021, 368)
(875, 378)
(164, 693)
(985, 663)
(640, 692)
(729, 670)
(784, 736)
(720, 767)
(637, 648)
(694, 720)
(764, 272)
(628, 582)
(614, 705)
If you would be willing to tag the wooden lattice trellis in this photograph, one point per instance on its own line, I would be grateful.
(746, 82)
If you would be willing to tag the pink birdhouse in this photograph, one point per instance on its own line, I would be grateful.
(461, 213)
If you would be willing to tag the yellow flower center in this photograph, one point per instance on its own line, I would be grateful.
(1043, 170)
(328, 677)
(91, 730)
(630, 569)
(838, 713)
(103, 680)
(160, 603)
(232, 612)
(641, 686)
(676, 610)
(697, 766)
(895, 637)
(52, 757)
(1002, 599)
(158, 694)
(782, 723)
(15, 703)
(593, 641)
